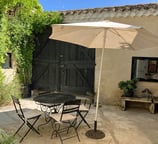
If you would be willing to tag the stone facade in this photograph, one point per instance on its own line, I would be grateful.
(117, 63)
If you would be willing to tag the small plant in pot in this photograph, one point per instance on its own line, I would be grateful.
(128, 87)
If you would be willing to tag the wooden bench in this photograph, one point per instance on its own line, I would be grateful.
(149, 101)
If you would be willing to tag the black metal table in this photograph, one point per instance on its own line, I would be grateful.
(51, 100)
(54, 98)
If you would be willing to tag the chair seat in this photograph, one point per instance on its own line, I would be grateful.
(32, 113)
(65, 117)
(83, 108)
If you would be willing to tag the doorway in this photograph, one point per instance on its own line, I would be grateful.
(61, 66)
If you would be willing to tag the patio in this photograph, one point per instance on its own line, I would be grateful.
(136, 125)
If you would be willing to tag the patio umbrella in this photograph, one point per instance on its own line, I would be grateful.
(104, 34)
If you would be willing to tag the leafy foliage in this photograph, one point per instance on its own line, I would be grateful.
(6, 138)
(128, 86)
(12, 88)
(4, 41)
(20, 22)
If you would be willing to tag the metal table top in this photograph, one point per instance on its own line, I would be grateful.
(54, 98)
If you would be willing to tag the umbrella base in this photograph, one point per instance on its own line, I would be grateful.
(95, 134)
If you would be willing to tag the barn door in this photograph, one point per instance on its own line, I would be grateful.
(76, 68)
(61, 66)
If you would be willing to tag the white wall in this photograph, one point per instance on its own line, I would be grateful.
(117, 63)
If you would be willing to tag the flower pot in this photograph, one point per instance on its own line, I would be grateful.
(129, 94)
(27, 91)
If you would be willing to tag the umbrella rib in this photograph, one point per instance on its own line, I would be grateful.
(91, 43)
(127, 44)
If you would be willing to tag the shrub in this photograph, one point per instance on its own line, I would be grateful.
(12, 88)
(7, 138)
(128, 86)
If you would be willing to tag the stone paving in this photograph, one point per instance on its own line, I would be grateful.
(134, 126)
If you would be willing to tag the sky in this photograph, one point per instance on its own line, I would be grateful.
(61, 5)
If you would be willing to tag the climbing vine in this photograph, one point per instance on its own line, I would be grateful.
(20, 22)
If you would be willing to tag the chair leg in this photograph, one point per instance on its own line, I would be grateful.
(31, 127)
(83, 119)
(77, 134)
(47, 121)
(57, 131)
(19, 128)
(56, 128)
(61, 140)
(73, 125)
(57, 134)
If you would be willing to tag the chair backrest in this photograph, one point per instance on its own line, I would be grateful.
(18, 107)
(86, 102)
(70, 107)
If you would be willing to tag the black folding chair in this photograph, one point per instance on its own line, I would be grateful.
(65, 119)
(84, 110)
(28, 118)
(46, 108)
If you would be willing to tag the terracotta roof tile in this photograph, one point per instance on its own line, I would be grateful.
(121, 9)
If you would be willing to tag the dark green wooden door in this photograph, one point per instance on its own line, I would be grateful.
(77, 68)
(60, 66)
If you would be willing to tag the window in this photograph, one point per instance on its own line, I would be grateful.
(145, 68)
(7, 63)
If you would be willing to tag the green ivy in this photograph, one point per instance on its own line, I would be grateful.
(23, 20)
(20, 22)
(4, 42)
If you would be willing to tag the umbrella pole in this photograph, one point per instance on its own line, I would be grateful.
(98, 91)
(97, 134)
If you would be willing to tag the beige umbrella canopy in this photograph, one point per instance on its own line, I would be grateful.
(104, 34)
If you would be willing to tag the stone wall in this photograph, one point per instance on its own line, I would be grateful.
(117, 63)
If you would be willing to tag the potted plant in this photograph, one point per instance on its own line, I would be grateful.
(26, 81)
(128, 87)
